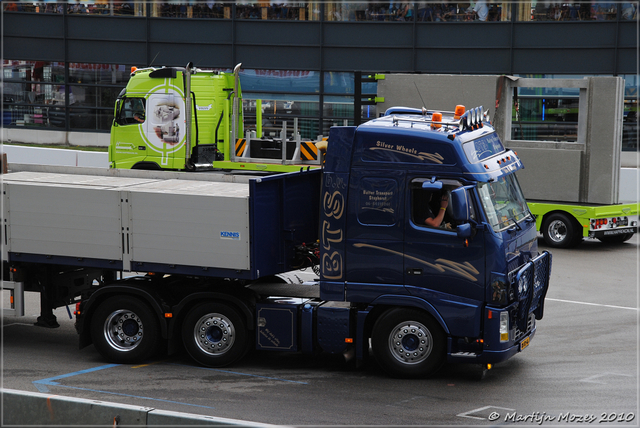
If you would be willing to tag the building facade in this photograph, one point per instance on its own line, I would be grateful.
(64, 63)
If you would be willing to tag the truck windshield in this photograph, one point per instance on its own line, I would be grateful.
(503, 202)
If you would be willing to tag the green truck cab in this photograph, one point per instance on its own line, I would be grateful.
(157, 126)
(184, 118)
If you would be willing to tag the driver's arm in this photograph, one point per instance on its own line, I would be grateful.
(437, 220)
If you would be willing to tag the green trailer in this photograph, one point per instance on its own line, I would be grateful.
(565, 225)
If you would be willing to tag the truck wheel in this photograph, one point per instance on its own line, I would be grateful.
(408, 343)
(561, 231)
(125, 330)
(616, 239)
(215, 335)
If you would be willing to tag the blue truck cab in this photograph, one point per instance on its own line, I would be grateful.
(469, 290)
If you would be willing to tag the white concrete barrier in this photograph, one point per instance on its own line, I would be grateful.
(21, 408)
(61, 157)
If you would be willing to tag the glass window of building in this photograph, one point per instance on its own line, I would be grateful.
(630, 121)
(344, 10)
(420, 11)
(546, 114)
(96, 7)
(574, 11)
(36, 94)
(286, 98)
(277, 10)
(551, 114)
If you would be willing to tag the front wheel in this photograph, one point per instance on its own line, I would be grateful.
(561, 231)
(215, 335)
(124, 330)
(408, 343)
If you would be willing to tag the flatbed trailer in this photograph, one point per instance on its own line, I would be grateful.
(212, 249)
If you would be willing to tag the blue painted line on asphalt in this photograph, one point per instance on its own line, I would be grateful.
(241, 374)
(42, 384)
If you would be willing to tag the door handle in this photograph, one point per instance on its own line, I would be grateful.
(412, 271)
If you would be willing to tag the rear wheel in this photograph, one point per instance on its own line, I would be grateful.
(215, 335)
(408, 343)
(561, 231)
(125, 330)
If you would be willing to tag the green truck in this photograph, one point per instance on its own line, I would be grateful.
(565, 225)
(184, 118)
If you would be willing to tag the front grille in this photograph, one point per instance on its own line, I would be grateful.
(519, 334)
(530, 284)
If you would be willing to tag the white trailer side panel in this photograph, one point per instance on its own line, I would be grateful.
(162, 221)
(73, 221)
(64, 214)
(204, 224)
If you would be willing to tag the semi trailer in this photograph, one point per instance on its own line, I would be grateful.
(157, 261)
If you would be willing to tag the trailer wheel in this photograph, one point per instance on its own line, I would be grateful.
(125, 330)
(616, 239)
(561, 231)
(215, 335)
(408, 343)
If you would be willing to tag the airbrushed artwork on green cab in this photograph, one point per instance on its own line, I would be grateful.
(149, 125)
(164, 132)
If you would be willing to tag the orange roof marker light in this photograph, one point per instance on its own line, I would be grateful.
(460, 109)
(436, 117)
(134, 69)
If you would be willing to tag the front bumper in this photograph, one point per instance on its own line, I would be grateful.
(489, 356)
(530, 283)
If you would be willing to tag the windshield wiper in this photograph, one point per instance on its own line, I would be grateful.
(515, 223)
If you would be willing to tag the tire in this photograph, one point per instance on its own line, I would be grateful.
(215, 335)
(125, 330)
(408, 343)
(616, 239)
(147, 166)
(561, 231)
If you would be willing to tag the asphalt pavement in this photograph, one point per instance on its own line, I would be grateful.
(580, 368)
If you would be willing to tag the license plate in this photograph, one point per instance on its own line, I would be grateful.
(525, 343)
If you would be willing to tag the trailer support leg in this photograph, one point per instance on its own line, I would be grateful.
(47, 318)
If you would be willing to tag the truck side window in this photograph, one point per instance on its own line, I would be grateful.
(427, 204)
(132, 111)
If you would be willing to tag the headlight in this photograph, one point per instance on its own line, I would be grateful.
(504, 326)
(499, 291)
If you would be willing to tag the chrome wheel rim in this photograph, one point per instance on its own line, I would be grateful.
(123, 330)
(214, 334)
(410, 342)
(557, 231)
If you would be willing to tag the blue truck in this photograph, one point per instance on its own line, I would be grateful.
(211, 247)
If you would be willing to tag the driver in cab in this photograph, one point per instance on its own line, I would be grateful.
(437, 219)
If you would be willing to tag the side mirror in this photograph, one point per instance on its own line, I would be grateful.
(460, 205)
(116, 115)
(464, 230)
